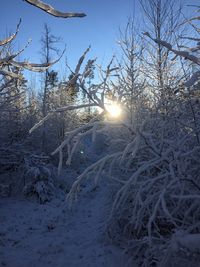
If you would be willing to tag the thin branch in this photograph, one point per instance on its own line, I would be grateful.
(34, 66)
(66, 108)
(12, 37)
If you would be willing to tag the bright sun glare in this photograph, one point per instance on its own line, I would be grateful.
(114, 110)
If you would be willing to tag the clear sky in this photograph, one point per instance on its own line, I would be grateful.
(99, 28)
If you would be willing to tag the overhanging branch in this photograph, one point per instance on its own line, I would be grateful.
(52, 11)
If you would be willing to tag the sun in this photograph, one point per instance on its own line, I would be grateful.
(114, 110)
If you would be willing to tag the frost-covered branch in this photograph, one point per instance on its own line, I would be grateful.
(184, 54)
(62, 109)
(11, 74)
(12, 37)
(35, 66)
(52, 11)
(95, 169)
(7, 60)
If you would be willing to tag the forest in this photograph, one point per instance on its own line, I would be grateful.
(102, 166)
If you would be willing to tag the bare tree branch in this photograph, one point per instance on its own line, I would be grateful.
(190, 38)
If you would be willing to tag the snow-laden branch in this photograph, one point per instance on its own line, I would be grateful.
(76, 73)
(52, 11)
(35, 66)
(12, 37)
(74, 138)
(11, 74)
(184, 54)
(96, 169)
(9, 58)
(62, 109)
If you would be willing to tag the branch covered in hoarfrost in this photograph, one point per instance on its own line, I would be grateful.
(40, 123)
(184, 54)
(8, 59)
(12, 37)
(66, 108)
(11, 74)
(96, 168)
(52, 11)
(77, 135)
(34, 66)
(81, 59)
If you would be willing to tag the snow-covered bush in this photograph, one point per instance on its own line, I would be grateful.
(39, 180)
(163, 192)
(43, 190)
(160, 196)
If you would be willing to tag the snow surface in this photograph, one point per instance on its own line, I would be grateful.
(51, 235)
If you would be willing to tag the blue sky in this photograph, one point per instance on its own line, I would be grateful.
(99, 28)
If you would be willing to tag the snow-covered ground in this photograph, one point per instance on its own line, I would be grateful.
(51, 235)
